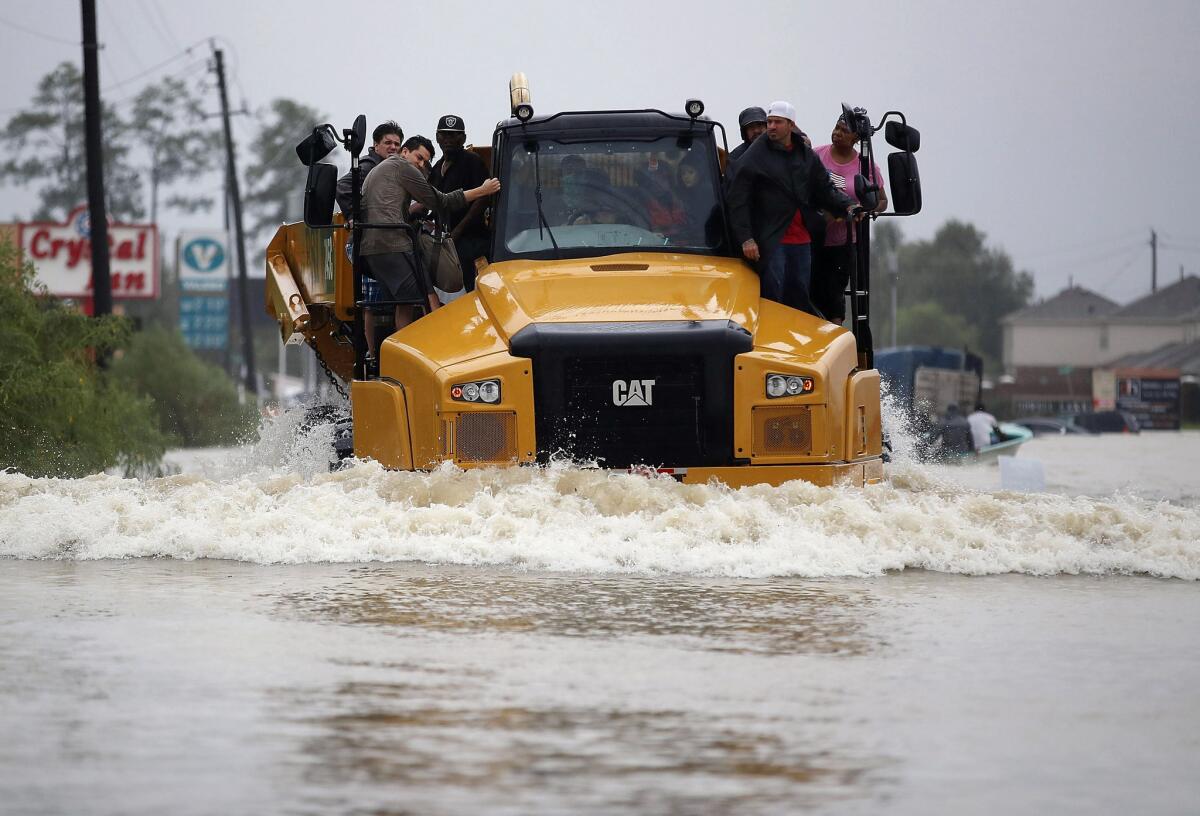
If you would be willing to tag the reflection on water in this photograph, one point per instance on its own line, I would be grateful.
(611, 693)
(562, 641)
(643, 760)
(741, 617)
(158, 685)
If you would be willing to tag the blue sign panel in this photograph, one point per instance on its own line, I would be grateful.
(204, 320)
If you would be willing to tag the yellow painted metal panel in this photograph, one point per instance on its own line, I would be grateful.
(848, 473)
(629, 287)
(862, 391)
(381, 423)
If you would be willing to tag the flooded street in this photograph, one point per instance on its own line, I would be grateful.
(255, 635)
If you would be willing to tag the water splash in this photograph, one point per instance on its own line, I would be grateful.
(566, 518)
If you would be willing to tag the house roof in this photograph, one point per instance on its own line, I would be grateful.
(1183, 356)
(1179, 300)
(1072, 303)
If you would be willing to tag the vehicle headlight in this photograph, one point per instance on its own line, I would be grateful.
(479, 391)
(781, 385)
(489, 391)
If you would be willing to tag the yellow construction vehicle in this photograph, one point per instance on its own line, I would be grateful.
(613, 321)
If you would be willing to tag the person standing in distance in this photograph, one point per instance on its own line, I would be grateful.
(983, 425)
(388, 195)
(461, 169)
(774, 200)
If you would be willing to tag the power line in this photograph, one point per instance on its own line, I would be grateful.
(1124, 239)
(129, 49)
(1128, 263)
(165, 22)
(185, 52)
(35, 33)
(1103, 253)
(180, 73)
(148, 16)
(1179, 248)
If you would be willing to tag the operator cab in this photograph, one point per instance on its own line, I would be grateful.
(599, 183)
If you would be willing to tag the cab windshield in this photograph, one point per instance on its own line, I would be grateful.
(657, 194)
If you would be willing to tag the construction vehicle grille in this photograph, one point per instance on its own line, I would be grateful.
(485, 436)
(782, 431)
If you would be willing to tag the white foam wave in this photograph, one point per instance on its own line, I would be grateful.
(565, 518)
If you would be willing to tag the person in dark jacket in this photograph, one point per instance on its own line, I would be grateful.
(460, 168)
(387, 138)
(951, 439)
(774, 202)
(753, 123)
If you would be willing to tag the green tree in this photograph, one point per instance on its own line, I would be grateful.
(169, 119)
(928, 324)
(45, 147)
(62, 416)
(957, 272)
(276, 192)
(194, 401)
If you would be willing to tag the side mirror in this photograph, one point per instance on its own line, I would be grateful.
(906, 183)
(356, 137)
(316, 146)
(902, 137)
(866, 192)
(319, 195)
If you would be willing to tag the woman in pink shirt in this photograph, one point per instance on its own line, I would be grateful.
(833, 262)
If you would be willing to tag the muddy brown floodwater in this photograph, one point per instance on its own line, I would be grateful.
(256, 635)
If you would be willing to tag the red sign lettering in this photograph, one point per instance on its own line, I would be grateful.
(62, 255)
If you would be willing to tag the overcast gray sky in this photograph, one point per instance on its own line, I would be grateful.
(1061, 129)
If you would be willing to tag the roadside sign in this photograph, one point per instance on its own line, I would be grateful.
(62, 256)
(202, 258)
(204, 320)
(1153, 399)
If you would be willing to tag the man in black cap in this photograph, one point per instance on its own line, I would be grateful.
(753, 122)
(461, 169)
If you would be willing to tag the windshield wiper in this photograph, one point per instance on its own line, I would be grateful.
(537, 196)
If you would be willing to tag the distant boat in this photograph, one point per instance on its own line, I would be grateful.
(926, 381)
(1014, 436)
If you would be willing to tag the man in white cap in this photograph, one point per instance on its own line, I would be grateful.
(774, 204)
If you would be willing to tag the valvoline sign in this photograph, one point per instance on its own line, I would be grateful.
(203, 261)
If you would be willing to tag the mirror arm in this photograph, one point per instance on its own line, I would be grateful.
(884, 118)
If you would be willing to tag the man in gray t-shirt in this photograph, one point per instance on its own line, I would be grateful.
(388, 197)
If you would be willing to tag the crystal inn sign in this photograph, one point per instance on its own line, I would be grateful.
(62, 256)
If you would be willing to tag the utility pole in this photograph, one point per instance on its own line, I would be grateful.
(229, 284)
(894, 270)
(97, 213)
(1153, 261)
(239, 233)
